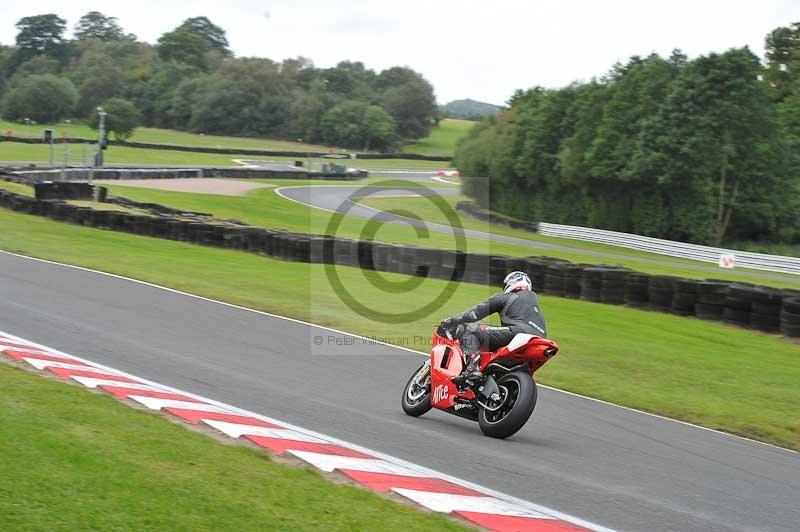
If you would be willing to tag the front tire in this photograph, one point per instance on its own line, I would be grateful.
(417, 392)
(513, 410)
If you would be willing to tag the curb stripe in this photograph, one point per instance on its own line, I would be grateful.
(155, 403)
(40, 364)
(123, 392)
(237, 430)
(510, 523)
(90, 382)
(448, 502)
(281, 446)
(94, 373)
(384, 482)
(195, 417)
(7, 344)
(330, 463)
(22, 354)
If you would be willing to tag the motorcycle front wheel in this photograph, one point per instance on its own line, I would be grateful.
(417, 393)
(508, 414)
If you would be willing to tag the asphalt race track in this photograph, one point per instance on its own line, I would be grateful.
(612, 466)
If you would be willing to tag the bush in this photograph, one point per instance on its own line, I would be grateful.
(121, 119)
(353, 124)
(45, 98)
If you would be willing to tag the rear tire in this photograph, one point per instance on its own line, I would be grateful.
(520, 389)
(417, 399)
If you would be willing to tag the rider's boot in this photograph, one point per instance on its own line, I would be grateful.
(471, 373)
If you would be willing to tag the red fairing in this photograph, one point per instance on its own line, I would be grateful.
(534, 349)
(447, 362)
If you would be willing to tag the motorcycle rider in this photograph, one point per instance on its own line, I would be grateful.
(519, 312)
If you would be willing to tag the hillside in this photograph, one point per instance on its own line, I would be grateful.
(470, 109)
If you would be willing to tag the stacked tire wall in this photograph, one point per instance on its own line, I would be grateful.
(756, 307)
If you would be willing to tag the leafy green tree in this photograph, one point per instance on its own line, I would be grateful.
(40, 64)
(378, 128)
(412, 105)
(41, 34)
(713, 139)
(213, 35)
(635, 92)
(350, 80)
(224, 106)
(687, 150)
(38, 35)
(5, 56)
(102, 81)
(184, 46)
(44, 98)
(783, 60)
(286, 99)
(586, 113)
(475, 154)
(355, 124)
(307, 110)
(155, 96)
(184, 102)
(788, 114)
(122, 118)
(95, 25)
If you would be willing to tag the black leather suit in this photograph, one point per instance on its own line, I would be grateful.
(519, 313)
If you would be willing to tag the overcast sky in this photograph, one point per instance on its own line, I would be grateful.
(467, 49)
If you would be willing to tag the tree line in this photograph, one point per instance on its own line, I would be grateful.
(190, 80)
(704, 150)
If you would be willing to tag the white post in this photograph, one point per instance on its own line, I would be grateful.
(101, 133)
(66, 160)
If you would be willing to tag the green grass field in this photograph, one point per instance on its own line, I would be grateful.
(266, 209)
(707, 373)
(17, 188)
(441, 141)
(13, 151)
(443, 138)
(76, 460)
(163, 136)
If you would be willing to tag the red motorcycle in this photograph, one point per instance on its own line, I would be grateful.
(504, 399)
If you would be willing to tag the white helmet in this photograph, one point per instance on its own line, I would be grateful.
(517, 281)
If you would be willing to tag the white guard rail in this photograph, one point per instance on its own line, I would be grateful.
(742, 259)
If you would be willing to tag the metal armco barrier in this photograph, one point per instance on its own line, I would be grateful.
(744, 259)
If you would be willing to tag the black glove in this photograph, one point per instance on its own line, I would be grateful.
(450, 323)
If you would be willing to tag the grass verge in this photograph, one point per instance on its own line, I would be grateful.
(14, 151)
(74, 460)
(163, 136)
(17, 188)
(711, 374)
(442, 139)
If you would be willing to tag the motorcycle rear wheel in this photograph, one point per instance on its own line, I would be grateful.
(417, 392)
(516, 405)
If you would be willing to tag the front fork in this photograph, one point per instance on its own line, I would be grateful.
(424, 373)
